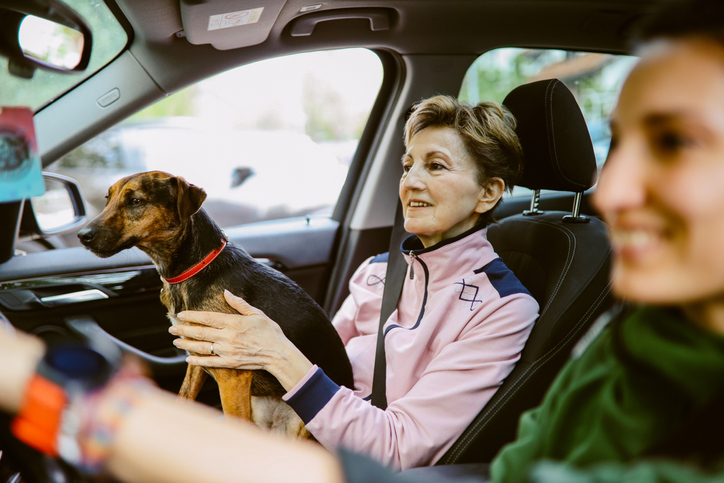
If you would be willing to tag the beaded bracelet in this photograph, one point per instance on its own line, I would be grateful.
(90, 423)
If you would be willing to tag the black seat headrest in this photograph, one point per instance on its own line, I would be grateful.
(557, 149)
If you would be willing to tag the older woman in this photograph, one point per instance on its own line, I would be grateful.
(446, 354)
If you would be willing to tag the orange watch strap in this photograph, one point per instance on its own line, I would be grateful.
(38, 422)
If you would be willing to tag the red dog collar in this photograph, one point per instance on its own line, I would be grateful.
(198, 267)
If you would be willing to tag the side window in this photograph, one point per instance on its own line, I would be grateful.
(595, 80)
(265, 141)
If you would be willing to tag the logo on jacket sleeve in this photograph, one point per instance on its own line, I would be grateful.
(468, 292)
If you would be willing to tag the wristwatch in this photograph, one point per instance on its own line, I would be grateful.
(67, 371)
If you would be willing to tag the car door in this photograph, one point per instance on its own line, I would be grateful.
(279, 188)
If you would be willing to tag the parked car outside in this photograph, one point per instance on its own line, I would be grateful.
(306, 183)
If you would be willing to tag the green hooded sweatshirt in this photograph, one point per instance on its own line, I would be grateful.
(646, 375)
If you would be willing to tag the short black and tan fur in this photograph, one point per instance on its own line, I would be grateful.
(161, 214)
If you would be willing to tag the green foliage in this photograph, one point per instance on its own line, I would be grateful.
(178, 104)
(594, 79)
(328, 117)
(324, 109)
(100, 152)
(489, 80)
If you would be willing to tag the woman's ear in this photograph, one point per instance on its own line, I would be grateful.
(490, 194)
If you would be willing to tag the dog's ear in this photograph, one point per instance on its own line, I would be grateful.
(189, 196)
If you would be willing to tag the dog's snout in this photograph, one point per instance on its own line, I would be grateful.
(86, 235)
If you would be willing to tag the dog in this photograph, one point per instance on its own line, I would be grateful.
(161, 214)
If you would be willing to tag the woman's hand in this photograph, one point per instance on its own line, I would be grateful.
(249, 341)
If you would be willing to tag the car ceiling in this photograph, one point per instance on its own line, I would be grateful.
(416, 27)
(160, 60)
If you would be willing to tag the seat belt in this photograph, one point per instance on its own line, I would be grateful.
(394, 279)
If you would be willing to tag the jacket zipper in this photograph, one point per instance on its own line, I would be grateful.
(426, 274)
(412, 264)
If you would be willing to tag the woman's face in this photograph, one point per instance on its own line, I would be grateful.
(662, 188)
(440, 194)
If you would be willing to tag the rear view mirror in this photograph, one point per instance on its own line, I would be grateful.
(49, 43)
(43, 34)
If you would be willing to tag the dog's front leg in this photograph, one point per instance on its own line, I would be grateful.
(195, 377)
(235, 391)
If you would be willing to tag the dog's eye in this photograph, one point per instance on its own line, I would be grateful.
(135, 201)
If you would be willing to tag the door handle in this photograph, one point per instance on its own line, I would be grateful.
(87, 327)
(379, 19)
(73, 297)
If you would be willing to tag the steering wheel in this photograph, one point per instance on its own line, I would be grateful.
(21, 463)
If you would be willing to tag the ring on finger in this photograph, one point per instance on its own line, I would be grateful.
(212, 349)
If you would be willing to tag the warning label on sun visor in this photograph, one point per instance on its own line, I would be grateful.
(234, 19)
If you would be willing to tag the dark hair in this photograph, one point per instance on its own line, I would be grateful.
(488, 131)
(700, 18)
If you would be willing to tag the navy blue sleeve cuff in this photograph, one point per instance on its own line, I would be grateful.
(313, 396)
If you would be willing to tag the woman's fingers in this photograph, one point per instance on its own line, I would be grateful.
(221, 320)
(241, 305)
(221, 355)
(196, 332)
(197, 346)
(247, 340)
(219, 361)
(217, 320)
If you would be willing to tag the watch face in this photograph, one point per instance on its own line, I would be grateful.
(78, 363)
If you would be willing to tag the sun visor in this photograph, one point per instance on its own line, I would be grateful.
(229, 24)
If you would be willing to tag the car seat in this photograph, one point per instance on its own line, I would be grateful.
(562, 258)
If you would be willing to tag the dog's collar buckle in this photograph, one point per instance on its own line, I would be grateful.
(199, 266)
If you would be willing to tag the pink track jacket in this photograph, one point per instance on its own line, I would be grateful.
(460, 325)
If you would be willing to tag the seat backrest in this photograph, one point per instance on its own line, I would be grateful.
(562, 258)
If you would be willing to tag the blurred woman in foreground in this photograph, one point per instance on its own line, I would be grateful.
(651, 385)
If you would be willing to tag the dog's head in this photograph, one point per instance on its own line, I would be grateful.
(147, 210)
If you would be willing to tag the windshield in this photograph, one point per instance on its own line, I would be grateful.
(109, 39)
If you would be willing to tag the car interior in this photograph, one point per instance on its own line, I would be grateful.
(547, 232)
